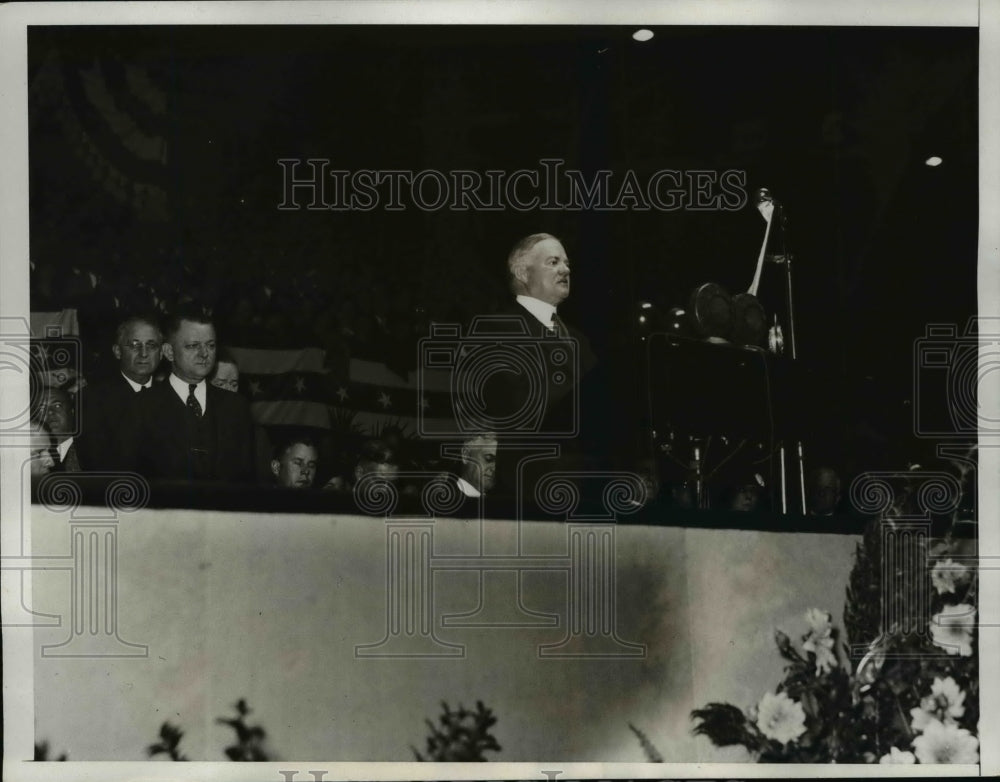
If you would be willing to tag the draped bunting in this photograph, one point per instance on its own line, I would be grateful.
(114, 119)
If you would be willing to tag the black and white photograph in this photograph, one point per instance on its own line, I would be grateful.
(597, 392)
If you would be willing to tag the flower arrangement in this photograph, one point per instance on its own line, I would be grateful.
(914, 695)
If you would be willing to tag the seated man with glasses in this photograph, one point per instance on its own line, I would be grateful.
(227, 372)
(108, 421)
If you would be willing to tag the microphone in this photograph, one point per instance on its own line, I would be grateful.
(767, 204)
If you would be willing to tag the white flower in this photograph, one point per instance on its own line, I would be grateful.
(946, 573)
(952, 629)
(897, 756)
(780, 718)
(819, 621)
(819, 641)
(946, 704)
(946, 744)
(826, 660)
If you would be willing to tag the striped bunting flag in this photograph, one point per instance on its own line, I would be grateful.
(285, 387)
(295, 388)
(374, 396)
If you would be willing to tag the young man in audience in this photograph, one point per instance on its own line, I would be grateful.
(294, 462)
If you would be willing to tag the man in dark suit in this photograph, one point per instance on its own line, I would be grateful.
(479, 455)
(108, 409)
(58, 411)
(189, 429)
(544, 398)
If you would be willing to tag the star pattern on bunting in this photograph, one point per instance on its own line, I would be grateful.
(254, 387)
(300, 384)
(342, 394)
(384, 400)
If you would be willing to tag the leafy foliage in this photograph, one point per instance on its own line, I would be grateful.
(170, 739)
(249, 744)
(463, 735)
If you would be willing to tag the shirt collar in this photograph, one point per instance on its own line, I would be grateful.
(64, 447)
(467, 488)
(542, 310)
(181, 388)
(137, 386)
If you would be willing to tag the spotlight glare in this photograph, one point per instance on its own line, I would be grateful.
(646, 305)
(933, 161)
(642, 35)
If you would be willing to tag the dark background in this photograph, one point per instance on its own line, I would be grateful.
(837, 122)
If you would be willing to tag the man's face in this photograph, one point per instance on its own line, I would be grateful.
(546, 274)
(58, 413)
(41, 451)
(385, 471)
(138, 353)
(192, 351)
(296, 469)
(227, 377)
(480, 456)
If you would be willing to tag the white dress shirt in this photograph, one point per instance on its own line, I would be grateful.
(137, 387)
(63, 448)
(468, 489)
(181, 387)
(542, 310)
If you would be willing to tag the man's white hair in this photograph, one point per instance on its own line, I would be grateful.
(517, 261)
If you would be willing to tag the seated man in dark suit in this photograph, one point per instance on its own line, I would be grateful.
(41, 461)
(57, 409)
(189, 429)
(108, 408)
(294, 462)
(479, 455)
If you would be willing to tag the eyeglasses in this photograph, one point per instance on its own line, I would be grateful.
(136, 346)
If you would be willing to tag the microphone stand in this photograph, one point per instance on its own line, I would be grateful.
(789, 303)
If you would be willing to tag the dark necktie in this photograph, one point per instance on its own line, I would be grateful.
(559, 327)
(192, 400)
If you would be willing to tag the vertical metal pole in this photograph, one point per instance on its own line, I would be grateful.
(784, 482)
(802, 478)
(698, 485)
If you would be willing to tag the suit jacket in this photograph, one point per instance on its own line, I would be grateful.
(71, 462)
(175, 444)
(544, 396)
(107, 425)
